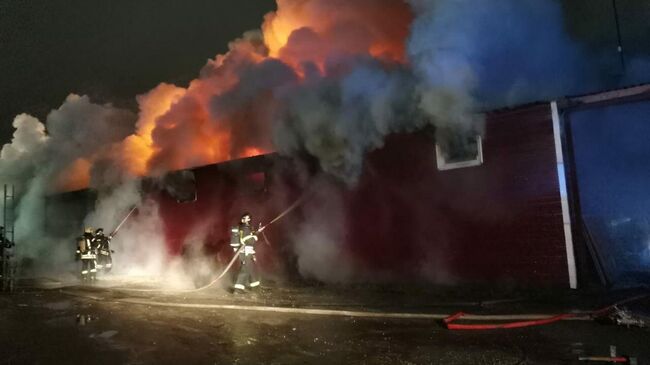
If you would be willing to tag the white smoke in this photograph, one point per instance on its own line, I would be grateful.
(319, 241)
(140, 244)
(30, 222)
(77, 130)
(339, 120)
(22, 156)
(35, 160)
(497, 53)
(462, 56)
(113, 205)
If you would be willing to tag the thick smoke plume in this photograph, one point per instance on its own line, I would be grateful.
(319, 241)
(44, 158)
(327, 78)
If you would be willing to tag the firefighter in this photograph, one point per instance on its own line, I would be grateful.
(2, 236)
(6, 265)
(4, 241)
(3, 248)
(86, 251)
(102, 245)
(244, 238)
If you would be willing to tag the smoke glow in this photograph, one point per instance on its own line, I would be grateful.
(329, 78)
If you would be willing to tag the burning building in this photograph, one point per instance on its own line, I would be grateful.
(368, 115)
(504, 208)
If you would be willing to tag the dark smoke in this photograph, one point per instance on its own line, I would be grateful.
(328, 94)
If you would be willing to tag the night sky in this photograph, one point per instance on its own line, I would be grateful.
(114, 50)
(109, 50)
(613, 177)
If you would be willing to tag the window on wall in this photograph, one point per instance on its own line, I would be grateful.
(252, 183)
(458, 152)
(181, 185)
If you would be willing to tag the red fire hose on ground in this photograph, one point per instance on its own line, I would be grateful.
(448, 322)
(455, 326)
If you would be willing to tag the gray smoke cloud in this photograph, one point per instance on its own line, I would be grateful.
(507, 53)
(140, 246)
(20, 158)
(35, 160)
(319, 242)
(78, 129)
(462, 57)
(113, 205)
(338, 120)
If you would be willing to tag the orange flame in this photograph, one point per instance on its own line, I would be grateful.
(251, 152)
(74, 177)
(181, 127)
(361, 26)
(138, 148)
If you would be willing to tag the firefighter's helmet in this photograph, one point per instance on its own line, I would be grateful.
(99, 230)
(245, 218)
(88, 230)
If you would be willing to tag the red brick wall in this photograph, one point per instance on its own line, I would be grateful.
(498, 222)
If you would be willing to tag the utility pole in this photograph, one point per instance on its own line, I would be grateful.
(7, 240)
(618, 38)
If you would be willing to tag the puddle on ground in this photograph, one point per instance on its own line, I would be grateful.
(104, 335)
(66, 304)
(67, 320)
(84, 319)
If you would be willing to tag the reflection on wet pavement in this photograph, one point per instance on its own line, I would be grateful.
(84, 319)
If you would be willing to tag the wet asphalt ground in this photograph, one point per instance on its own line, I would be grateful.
(127, 323)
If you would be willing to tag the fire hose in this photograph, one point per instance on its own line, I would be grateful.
(122, 222)
(285, 212)
(234, 257)
(454, 326)
(232, 261)
(519, 324)
(261, 230)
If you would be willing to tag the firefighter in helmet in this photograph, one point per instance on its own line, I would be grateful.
(7, 264)
(4, 242)
(243, 240)
(86, 251)
(103, 247)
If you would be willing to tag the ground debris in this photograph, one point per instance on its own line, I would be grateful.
(628, 318)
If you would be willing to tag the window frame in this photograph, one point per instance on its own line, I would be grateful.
(444, 165)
